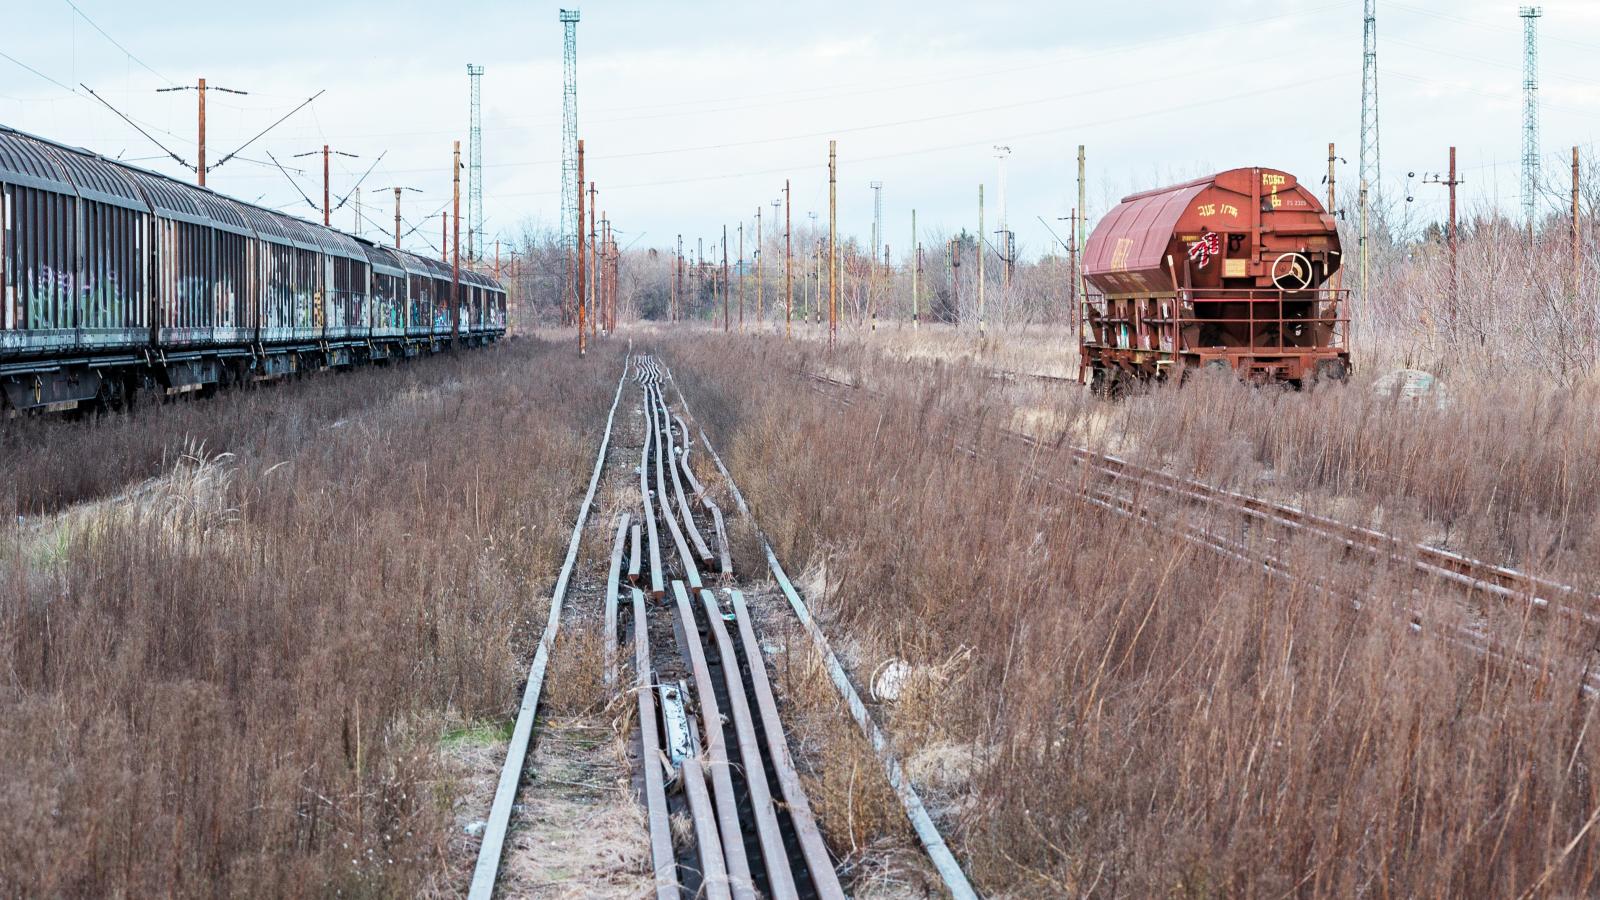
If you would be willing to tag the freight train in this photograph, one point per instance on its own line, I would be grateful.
(118, 280)
(1232, 271)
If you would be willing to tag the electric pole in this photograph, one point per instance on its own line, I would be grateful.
(1082, 215)
(1450, 183)
(580, 269)
(981, 240)
(788, 268)
(833, 243)
(201, 88)
(455, 251)
(1001, 152)
(397, 189)
(594, 249)
(761, 309)
(326, 210)
(916, 267)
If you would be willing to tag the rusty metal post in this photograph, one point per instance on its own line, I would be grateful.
(326, 212)
(833, 243)
(727, 320)
(594, 261)
(581, 266)
(200, 169)
(455, 247)
(397, 217)
(980, 261)
(788, 267)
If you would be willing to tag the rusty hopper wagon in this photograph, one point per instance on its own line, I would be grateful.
(1229, 271)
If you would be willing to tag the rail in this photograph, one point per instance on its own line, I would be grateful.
(1536, 594)
(486, 872)
(753, 832)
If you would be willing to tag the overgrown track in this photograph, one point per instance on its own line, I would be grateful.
(487, 871)
(712, 746)
(1120, 486)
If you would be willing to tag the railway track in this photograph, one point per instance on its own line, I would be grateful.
(712, 745)
(679, 639)
(1120, 486)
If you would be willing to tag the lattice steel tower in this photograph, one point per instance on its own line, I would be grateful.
(877, 218)
(569, 138)
(1371, 170)
(1530, 111)
(475, 167)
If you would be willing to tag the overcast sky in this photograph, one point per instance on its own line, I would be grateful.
(694, 114)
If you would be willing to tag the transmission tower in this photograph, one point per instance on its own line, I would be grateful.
(474, 166)
(1371, 171)
(569, 144)
(1530, 110)
(877, 215)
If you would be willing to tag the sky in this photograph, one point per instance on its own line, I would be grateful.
(694, 115)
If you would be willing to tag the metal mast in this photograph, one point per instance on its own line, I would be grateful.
(1371, 171)
(570, 188)
(1530, 111)
(474, 167)
(877, 217)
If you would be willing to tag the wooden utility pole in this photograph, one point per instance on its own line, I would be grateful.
(581, 266)
(833, 243)
(916, 268)
(788, 268)
(455, 246)
(594, 253)
(727, 319)
(741, 274)
(980, 260)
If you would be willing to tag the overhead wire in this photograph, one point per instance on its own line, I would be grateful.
(118, 44)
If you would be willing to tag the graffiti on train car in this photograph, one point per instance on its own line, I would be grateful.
(97, 300)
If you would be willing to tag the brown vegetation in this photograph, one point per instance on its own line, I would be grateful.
(1134, 715)
(255, 708)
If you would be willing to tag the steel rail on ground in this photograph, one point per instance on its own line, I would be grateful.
(487, 870)
(933, 843)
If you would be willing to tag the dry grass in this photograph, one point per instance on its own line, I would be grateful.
(234, 680)
(1138, 716)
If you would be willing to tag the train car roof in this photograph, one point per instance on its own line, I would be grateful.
(33, 161)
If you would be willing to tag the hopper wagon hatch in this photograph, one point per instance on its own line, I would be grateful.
(1229, 271)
